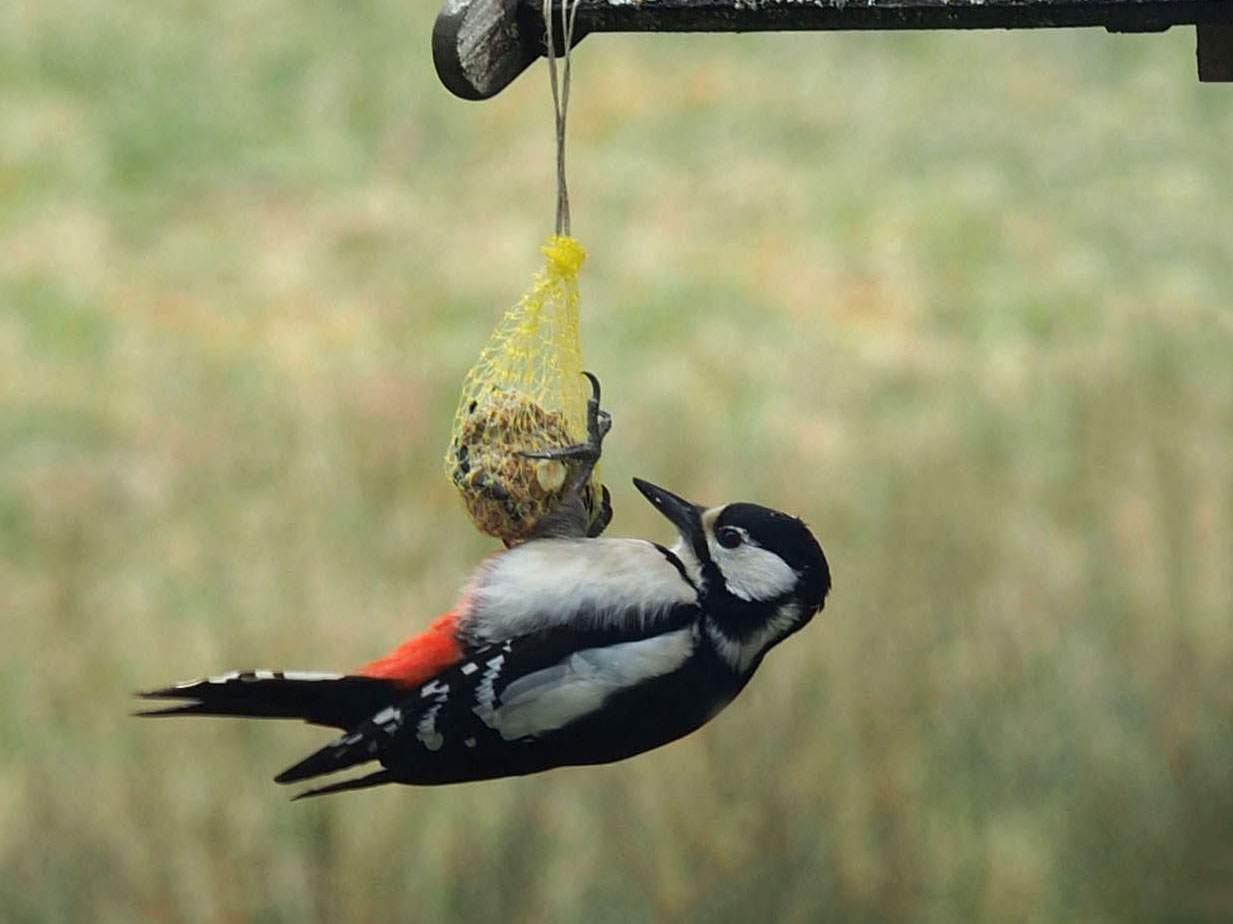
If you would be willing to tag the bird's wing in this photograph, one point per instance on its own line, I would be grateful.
(475, 719)
(550, 698)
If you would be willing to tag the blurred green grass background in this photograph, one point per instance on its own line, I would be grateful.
(961, 301)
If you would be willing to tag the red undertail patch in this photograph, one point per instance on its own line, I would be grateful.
(421, 658)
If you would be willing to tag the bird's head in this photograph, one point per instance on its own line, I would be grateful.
(760, 574)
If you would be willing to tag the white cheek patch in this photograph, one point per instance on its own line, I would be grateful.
(752, 573)
(555, 696)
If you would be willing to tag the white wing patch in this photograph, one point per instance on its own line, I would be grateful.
(485, 695)
(586, 583)
(426, 728)
(555, 696)
(390, 715)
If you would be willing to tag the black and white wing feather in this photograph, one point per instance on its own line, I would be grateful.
(526, 705)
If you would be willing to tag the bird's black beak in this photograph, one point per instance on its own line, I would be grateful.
(686, 517)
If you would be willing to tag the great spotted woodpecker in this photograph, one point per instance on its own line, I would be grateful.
(561, 651)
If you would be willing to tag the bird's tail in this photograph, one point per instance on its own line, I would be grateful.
(337, 700)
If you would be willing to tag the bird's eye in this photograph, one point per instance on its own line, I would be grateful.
(728, 536)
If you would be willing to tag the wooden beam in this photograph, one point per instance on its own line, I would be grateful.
(480, 46)
(1214, 49)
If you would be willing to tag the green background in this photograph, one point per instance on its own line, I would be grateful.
(962, 301)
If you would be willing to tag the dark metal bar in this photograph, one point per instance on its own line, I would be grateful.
(799, 15)
(480, 46)
(1215, 52)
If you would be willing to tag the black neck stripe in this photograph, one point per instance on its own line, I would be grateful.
(676, 563)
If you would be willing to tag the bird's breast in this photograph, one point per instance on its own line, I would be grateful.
(582, 583)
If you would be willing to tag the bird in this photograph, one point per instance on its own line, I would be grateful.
(562, 651)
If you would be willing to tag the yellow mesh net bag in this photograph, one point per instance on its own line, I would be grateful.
(525, 393)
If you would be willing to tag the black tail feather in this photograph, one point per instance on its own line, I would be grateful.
(379, 778)
(360, 744)
(337, 700)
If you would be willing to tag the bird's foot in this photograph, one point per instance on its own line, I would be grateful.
(599, 422)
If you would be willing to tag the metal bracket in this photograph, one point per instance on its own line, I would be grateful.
(1214, 50)
(480, 46)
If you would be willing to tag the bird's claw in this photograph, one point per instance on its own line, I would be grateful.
(599, 422)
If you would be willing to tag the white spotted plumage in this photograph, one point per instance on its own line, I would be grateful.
(485, 694)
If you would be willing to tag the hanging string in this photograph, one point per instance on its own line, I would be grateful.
(560, 96)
